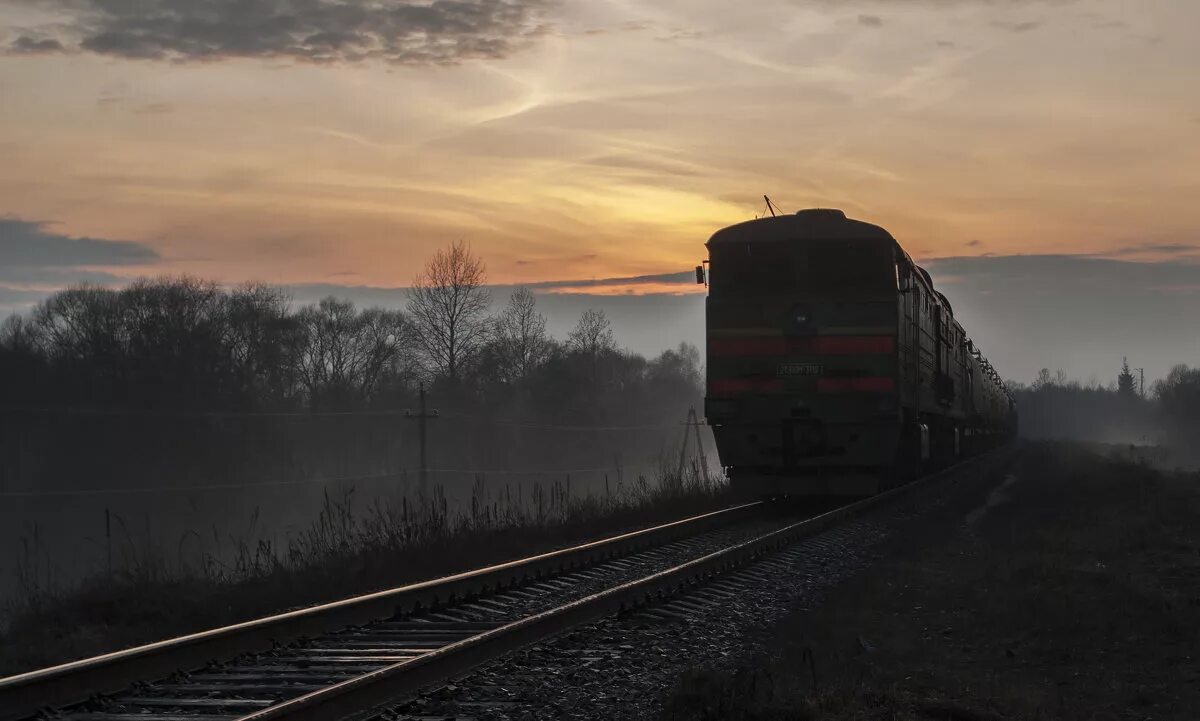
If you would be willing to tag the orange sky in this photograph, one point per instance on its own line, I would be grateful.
(610, 138)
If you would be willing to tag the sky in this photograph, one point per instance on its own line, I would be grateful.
(1041, 157)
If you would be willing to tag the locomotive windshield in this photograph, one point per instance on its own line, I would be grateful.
(829, 267)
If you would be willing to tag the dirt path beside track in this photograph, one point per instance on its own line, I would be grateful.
(1069, 591)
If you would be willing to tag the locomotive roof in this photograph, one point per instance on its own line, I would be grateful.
(824, 223)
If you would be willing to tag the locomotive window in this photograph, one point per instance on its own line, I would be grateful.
(815, 265)
(750, 265)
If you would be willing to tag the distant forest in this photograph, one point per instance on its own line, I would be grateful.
(183, 344)
(1056, 407)
(176, 381)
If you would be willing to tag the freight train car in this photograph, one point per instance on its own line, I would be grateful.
(834, 365)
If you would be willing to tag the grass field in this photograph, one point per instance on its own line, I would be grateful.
(1071, 592)
(342, 553)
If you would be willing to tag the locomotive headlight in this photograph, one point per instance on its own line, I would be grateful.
(801, 315)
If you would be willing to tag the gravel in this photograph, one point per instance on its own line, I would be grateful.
(619, 668)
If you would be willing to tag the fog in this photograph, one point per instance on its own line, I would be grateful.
(174, 424)
(133, 428)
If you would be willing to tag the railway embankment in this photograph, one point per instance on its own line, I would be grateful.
(1071, 590)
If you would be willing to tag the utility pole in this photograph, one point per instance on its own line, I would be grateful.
(694, 422)
(422, 416)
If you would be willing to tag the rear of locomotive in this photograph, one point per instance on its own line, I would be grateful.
(802, 318)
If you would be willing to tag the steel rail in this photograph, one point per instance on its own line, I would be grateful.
(367, 694)
(27, 694)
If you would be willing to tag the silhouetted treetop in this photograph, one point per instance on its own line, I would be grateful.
(449, 305)
(1125, 382)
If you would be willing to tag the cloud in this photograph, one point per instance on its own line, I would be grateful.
(657, 285)
(1021, 27)
(29, 244)
(1181, 251)
(1068, 270)
(1078, 313)
(31, 253)
(655, 281)
(398, 31)
(26, 45)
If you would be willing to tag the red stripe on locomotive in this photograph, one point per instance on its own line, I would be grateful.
(805, 345)
(882, 384)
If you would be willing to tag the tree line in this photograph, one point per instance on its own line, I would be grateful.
(185, 344)
(1056, 406)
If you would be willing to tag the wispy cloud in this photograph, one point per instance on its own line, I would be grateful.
(683, 282)
(1153, 251)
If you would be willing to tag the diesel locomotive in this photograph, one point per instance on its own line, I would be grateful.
(834, 365)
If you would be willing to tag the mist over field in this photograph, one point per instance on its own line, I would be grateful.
(191, 463)
(207, 426)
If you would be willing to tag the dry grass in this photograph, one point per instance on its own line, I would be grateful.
(1074, 596)
(345, 551)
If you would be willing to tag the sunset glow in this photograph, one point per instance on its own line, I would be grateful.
(615, 138)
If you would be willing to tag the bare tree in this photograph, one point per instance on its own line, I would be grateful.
(19, 335)
(593, 339)
(262, 338)
(679, 365)
(386, 337)
(1179, 398)
(329, 353)
(348, 354)
(448, 305)
(520, 335)
(593, 335)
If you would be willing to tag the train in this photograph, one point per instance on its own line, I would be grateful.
(834, 366)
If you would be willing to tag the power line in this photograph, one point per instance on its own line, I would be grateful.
(193, 414)
(555, 426)
(488, 420)
(185, 489)
(307, 481)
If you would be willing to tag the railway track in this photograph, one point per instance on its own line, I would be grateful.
(351, 658)
(259, 669)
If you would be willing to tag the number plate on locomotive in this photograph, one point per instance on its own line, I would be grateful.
(800, 369)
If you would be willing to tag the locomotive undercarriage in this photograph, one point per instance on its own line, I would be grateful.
(883, 455)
